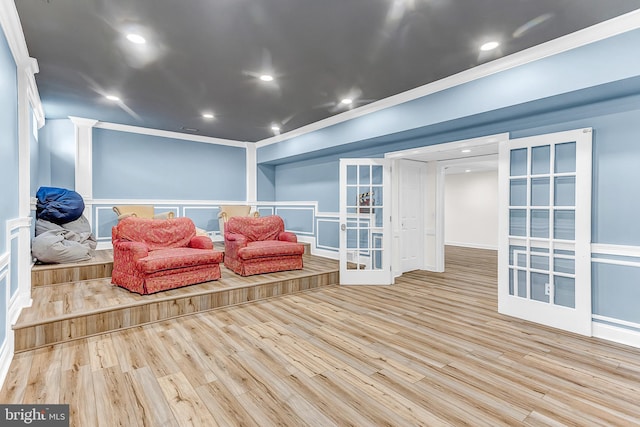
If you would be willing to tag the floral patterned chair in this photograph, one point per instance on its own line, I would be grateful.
(260, 245)
(152, 255)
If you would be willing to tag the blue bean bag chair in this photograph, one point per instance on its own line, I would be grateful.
(58, 205)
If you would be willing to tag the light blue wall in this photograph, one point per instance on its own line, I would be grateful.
(266, 182)
(312, 180)
(616, 175)
(57, 154)
(135, 166)
(9, 172)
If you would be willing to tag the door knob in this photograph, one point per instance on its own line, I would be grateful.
(343, 227)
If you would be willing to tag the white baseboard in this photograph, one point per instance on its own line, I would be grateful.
(6, 356)
(16, 305)
(318, 251)
(324, 253)
(616, 334)
(472, 245)
(104, 245)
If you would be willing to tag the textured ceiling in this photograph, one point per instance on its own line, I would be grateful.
(206, 55)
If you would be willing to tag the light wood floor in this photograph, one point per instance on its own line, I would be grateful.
(429, 350)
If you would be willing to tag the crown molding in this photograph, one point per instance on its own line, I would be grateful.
(79, 121)
(621, 24)
(10, 22)
(169, 134)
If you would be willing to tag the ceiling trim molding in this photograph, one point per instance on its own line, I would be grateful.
(12, 28)
(79, 121)
(621, 24)
(169, 134)
(431, 152)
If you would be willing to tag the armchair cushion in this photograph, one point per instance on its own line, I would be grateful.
(269, 248)
(177, 258)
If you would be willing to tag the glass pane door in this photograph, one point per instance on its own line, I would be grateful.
(364, 222)
(544, 265)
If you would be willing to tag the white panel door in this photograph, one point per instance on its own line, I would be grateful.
(410, 188)
(365, 222)
(544, 261)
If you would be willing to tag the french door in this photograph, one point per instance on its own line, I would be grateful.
(365, 222)
(544, 262)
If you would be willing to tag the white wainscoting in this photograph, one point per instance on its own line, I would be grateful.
(102, 218)
(607, 327)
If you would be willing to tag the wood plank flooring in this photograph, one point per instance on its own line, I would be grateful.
(67, 311)
(430, 350)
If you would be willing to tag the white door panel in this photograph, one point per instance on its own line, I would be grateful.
(411, 196)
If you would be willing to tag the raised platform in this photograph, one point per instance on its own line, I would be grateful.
(88, 305)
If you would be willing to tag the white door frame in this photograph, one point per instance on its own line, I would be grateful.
(439, 155)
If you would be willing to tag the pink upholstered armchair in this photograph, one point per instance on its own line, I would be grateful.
(260, 245)
(152, 255)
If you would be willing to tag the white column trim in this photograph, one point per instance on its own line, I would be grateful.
(252, 173)
(84, 156)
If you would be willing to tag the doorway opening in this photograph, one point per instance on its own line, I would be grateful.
(419, 178)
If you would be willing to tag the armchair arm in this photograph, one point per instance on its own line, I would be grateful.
(233, 243)
(238, 239)
(124, 250)
(201, 242)
(287, 236)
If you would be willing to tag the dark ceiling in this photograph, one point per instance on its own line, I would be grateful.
(206, 55)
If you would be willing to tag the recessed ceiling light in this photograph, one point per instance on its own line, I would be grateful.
(346, 101)
(489, 46)
(136, 38)
(467, 170)
(112, 98)
(208, 115)
(275, 128)
(266, 78)
(466, 150)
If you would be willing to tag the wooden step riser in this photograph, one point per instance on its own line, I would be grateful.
(70, 328)
(53, 276)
